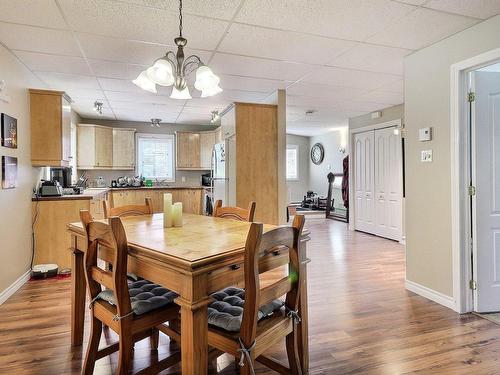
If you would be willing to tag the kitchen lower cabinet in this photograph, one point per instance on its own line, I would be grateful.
(191, 198)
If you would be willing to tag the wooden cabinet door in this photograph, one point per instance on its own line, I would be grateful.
(103, 147)
(86, 147)
(207, 141)
(188, 150)
(123, 149)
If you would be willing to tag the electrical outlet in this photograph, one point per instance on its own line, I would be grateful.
(183, 178)
(426, 156)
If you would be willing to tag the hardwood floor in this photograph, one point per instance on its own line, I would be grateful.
(362, 320)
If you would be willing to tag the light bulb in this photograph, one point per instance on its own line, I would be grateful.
(184, 94)
(161, 73)
(145, 83)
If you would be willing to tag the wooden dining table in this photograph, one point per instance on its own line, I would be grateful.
(203, 256)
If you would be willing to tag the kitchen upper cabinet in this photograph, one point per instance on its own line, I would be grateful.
(188, 150)
(95, 147)
(102, 147)
(207, 141)
(194, 150)
(123, 148)
(50, 128)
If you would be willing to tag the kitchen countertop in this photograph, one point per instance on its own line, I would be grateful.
(92, 193)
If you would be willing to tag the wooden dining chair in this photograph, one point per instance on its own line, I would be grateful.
(236, 213)
(245, 323)
(133, 310)
(129, 210)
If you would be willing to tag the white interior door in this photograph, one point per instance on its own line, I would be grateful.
(364, 208)
(388, 184)
(486, 203)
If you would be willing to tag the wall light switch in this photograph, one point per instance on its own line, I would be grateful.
(426, 156)
(425, 134)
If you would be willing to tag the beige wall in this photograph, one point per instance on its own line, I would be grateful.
(15, 204)
(296, 189)
(388, 114)
(428, 185)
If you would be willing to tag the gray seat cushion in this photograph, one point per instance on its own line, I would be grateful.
(145, 296)
(226, 311)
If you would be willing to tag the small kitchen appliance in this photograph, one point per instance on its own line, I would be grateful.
(50, 189)
(62, 175)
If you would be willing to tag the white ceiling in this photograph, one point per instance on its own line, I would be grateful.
(340, 58)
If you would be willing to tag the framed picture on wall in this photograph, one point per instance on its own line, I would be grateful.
(9, 172)
(9, 131)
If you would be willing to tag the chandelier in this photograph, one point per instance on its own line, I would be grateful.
(173, 68)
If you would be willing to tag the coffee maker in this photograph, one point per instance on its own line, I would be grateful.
(61, 175)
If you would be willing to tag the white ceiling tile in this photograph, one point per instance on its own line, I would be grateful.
(90, 114)
(141, 97)
(473, 8)
(64, 82)
(144, 116)
(42, 13)
(350, 78)
(373, 58)
(414, 2)
(54, 63)
(396, 86)
(76, 93)
(282, 45)
(224, 9)
(383, 97)
(352, 20)
(204, 110)
(129, 21)
(107, 69)
(35, 39)
(111, 84)
(228, 82)
(318, 90)
(172, 108)
(193, 118)
(421, 28)
(215, 102)
(258, 68)
(243, 96)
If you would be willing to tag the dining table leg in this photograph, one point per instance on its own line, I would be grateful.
(78, 289)
(194, 336)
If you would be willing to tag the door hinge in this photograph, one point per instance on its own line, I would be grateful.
(473, 284)
(471, 97)
(472, 190)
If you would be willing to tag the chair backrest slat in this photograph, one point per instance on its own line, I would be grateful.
(112, 237)
(129, 210)
(264, 252)
(235, 213)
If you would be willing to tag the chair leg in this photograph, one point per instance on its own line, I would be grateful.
(292, 351)
(93, 346)
(125, 356)
(154, 338)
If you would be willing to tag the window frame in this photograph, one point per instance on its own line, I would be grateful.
(138, 136)
(297, 162)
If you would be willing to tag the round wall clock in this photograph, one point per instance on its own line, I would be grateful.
(317, 153)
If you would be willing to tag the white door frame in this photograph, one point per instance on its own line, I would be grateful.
(460, 215)
(389, 124)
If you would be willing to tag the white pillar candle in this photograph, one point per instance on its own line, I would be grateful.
(167, 210)
(177, 214)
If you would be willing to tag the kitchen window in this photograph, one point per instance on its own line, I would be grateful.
(292, 162)
(155, 156)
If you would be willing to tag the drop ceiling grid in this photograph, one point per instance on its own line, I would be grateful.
(226, 15)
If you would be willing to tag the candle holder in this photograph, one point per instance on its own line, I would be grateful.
(167, 210)
(177, 214)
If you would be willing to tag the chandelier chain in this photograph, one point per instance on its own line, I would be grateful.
(180, 18)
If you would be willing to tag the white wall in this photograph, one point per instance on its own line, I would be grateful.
(15, 204)
(428, 185)
(296, 189)
(332, 162)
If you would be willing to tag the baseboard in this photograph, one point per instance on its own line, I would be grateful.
(14, 287)
(431, 294)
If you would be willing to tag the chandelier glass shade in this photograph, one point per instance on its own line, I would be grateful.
(173, 68)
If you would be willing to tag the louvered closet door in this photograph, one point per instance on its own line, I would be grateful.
(364, 182)
(388, 184)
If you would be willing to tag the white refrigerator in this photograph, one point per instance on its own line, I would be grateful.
(224, 172)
